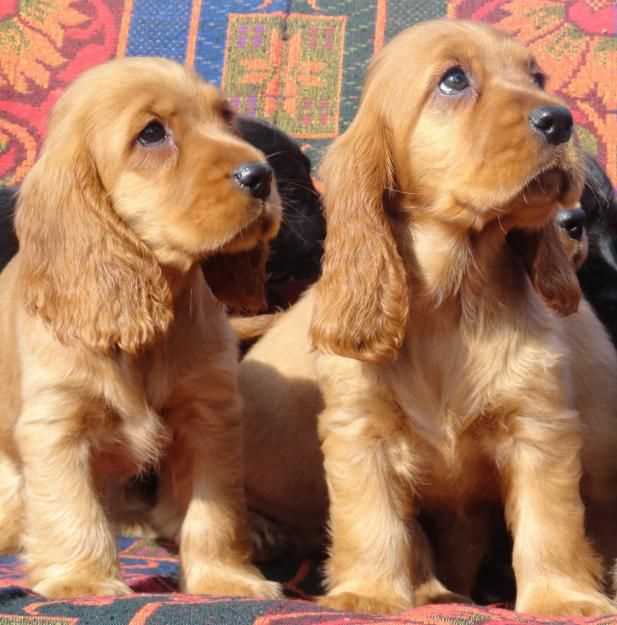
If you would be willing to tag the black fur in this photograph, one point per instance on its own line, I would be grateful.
(598, 275)
(8, 239)
(295, 254)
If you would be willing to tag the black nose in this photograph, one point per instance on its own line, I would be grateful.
(256, 178)
(573, 221)
(553, 122)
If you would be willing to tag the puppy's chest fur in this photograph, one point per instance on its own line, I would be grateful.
(457, 384)
(143, 398)
(127, 429)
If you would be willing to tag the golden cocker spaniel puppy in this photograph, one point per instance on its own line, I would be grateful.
(441, 356)
(116, 356)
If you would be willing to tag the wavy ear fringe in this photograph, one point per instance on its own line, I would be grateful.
(362, 298)
(83, 270)
(549, 269)
(239, 280)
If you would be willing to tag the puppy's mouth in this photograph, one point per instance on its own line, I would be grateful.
(538, 198)
(551, 184)
(264, 227)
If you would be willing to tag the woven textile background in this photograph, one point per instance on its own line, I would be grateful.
(298, 63)
(152, 572)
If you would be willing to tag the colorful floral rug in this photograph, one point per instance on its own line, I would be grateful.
(298, 63)
(152, 572)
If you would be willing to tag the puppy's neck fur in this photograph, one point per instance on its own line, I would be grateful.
(190, 291)
(452, 268)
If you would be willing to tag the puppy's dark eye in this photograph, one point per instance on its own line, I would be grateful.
(575, 231)
(454, 81)
(539, 78)
(153, 134)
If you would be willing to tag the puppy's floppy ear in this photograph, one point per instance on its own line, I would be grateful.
(550, 271)
(84, 272)
(239, 280)
(362, 299)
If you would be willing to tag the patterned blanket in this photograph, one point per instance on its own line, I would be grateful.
(299, 64)
(152, 571)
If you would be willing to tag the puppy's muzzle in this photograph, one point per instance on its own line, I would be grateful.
(256, 178)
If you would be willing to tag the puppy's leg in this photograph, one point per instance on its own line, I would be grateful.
(369, 469)
(69, 548)
(600, 519)
(599, 484)
(557, 571)
(11, 505)
(203, 476)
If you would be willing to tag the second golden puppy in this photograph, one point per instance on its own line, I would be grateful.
(116, 356)
(447, 375)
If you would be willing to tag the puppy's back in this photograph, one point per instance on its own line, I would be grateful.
(593, 363)
(282, 401)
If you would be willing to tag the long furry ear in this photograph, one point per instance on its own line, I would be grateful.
(362, 299)
(84, 272)
(550, 271)
(239, 280)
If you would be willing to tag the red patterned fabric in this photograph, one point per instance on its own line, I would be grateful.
(152, 571)
(44, 45)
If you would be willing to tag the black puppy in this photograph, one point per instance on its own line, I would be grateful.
(295, 254)
(597, 221)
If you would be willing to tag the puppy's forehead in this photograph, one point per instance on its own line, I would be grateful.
(432, 42)
(130, 84)
(185, 93)
(167, 85)
(498, 50)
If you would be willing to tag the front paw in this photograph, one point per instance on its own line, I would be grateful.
(365, 603)
(231, 581)
(545, 602)
(71, 587)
